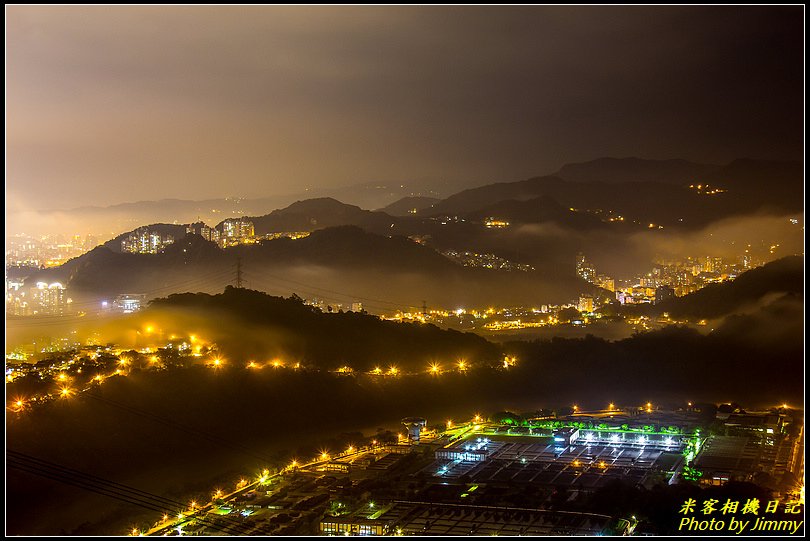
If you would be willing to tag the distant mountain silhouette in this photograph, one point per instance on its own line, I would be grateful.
(109, 220)
(615, 170)
(751, 186)
(351, 246)
(405, 206)
(474, 199)
(312, 214)
(538, 210)
(345, 263)
(775, 183)
(372, 258)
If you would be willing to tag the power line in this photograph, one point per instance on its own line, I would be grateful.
(213, 438)
(342, 294)
(239, 272)
(56, 472)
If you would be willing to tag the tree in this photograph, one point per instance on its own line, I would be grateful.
(567, 315)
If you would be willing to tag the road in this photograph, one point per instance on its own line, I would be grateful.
(172, 524)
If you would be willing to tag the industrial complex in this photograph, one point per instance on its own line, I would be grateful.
(507, 475)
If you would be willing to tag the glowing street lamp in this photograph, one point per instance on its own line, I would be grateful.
(435, 368)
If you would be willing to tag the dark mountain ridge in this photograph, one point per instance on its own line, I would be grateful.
(617, 170)
(345, 262)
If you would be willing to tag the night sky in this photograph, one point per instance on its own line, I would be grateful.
(116, 103)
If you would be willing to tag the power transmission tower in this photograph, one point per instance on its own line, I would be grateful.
(239, 272)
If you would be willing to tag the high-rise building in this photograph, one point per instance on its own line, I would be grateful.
(48, 299)
(208, 233)
(585, 304)
(143, 241)
(237, 228)
(585, 270)
(606, 282)
(663, 293)
(16, 300)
